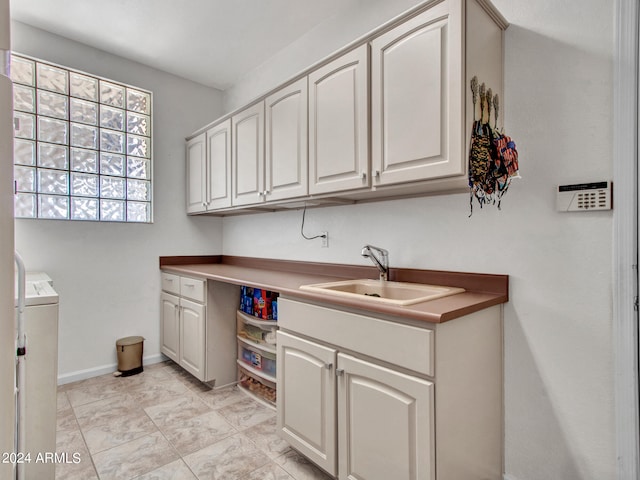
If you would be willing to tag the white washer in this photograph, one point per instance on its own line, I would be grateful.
(41, 371)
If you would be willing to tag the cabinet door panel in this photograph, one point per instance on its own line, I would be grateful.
(219, 165)
(385, 423)
(248, 156)
(170, 331)
(196, 174)
(192, 338)
(416, 100)
(306, 398)
(338, 125)
(286, 159)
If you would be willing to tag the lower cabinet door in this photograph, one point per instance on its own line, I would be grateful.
(192, 338)
(306, 399)
(170, 330)
(385, 423)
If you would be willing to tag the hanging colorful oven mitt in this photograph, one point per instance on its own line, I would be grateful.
(493, 158)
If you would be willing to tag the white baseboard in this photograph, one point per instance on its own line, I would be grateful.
(103, 370)
(508, 477)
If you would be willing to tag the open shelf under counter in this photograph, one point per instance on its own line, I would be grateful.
(264, 347)
(256, 386)
(256, 321)
(254, 372)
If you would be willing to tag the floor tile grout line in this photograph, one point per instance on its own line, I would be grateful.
(180, 456)
(162, 432)
(84, 440)
(269, 460)
(82, 434)
(195, 391)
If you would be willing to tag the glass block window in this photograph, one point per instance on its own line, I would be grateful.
(82, 145)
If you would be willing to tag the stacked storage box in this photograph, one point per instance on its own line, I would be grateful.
(256, 327)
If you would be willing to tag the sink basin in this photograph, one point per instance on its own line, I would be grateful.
(395, 293)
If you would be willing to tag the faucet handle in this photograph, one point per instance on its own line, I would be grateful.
(381, 260)
(367, 248)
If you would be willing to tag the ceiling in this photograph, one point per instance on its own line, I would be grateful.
(212, 42)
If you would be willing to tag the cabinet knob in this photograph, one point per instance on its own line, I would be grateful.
(328, 366)
(339, 372)
(363, 175)
(377, 173)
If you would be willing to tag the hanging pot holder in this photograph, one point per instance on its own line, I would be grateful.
(493, 158)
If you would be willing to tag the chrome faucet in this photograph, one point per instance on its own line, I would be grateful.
(381, 260)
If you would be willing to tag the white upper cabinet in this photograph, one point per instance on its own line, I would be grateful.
(286, 159)
(391, 117)
(219, 166)
(417, 99)
(421, 107)
(247, 157)
(338, 124)
(209, 169)
(197, 174)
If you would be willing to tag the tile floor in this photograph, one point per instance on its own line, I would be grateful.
(165, 424)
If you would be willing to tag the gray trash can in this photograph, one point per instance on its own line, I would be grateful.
(129, 351)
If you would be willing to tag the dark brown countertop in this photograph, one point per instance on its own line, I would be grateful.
(285, 277)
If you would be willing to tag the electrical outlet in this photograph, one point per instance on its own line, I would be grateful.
(325, 240)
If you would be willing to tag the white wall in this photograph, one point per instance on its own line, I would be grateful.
(326, 38)
(558, 346)
(107, 274)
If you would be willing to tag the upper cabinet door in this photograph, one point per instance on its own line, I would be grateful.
(248, 156)
(196, 174)
(416, 88)
(219, 165)
(338, 124)
(286, 164)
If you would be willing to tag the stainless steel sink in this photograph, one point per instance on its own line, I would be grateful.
(396, 293)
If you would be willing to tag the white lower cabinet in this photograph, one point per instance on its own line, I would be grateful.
(384, 418)
(307, 398)
(378, 398)
(192, 338)
(183, 333)
(184, 322)
(194, 328)
(170, 326)
(385, 422)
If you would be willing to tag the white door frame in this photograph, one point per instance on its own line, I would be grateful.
(626, 94)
